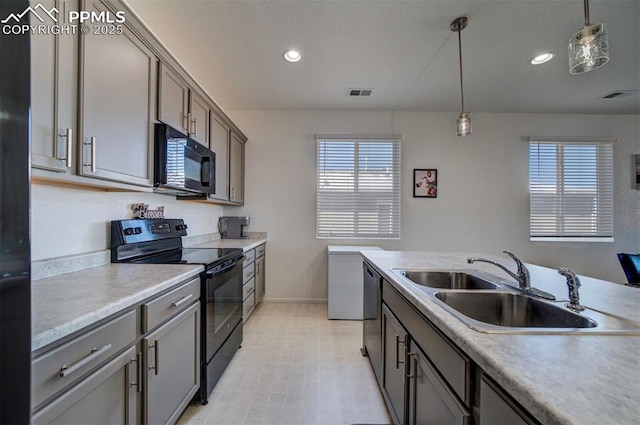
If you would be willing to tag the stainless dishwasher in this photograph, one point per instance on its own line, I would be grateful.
(372, 323)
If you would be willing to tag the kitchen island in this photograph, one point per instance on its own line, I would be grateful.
(558, 379)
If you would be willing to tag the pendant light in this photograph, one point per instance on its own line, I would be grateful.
(589, 47)
(463, 122)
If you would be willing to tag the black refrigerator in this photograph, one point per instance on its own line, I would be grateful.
(15, 256)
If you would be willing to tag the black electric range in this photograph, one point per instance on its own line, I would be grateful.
(159, 241)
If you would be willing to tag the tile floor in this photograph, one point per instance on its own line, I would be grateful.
(295, 367)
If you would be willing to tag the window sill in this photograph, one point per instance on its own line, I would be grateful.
(570, 239)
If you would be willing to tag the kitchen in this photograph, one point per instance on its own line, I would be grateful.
(75, 217)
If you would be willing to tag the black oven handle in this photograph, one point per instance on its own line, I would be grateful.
(228, 266)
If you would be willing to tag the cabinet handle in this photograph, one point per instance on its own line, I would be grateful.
(91, 143)
(68, 136)
(155, 357)
(95, 353)
(138, 382)
(414, 375)
(194, 121)
(398, 341)
(181, 300)
(186, 119)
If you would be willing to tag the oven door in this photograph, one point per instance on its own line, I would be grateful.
(222, 292)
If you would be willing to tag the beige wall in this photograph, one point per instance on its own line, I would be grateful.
(68, 221)
(482, 202)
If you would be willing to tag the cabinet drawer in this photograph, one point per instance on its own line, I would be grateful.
(248, 272)
(260, 250)
(452, 363)
(248, 288)
(173, 302)
(249, 257)
(248, 306)
(79, 356)
(86, 402)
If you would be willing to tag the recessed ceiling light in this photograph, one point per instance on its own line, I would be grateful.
(544, 57)
(292, 56)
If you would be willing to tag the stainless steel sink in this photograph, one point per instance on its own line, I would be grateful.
(449, 279)
(507, 312)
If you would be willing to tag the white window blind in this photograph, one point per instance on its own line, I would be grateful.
(571, 190)
(358, 193)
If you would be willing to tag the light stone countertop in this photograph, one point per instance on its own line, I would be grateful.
(66, 303)
(559, 379)
(244, 244)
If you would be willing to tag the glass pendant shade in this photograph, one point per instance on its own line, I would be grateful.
(464, 126)
(588, 49)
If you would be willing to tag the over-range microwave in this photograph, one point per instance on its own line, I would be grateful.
(183, 167)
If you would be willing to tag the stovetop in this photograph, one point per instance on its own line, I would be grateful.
(206, 256)
(159, 241)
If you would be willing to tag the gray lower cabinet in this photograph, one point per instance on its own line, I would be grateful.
(260, 276)
(117, 105)
(497, 407)
(107, 396)
(395, 340)
(172, 366)
(430, 399)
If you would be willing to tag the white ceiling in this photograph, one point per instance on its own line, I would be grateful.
(403, 49)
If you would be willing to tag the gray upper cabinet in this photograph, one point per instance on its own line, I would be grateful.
(236, 169)
(118, 81)
(181, 107)
(198, 119)
(54, 73)
(219, 143)
(173, 100)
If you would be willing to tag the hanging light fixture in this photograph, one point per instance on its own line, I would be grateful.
(463, 122)
(589, 47)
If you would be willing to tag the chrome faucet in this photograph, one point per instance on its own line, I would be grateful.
(523, 277)
(573, 283)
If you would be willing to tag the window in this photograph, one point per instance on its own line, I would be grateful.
(358, 194)
(571, 190)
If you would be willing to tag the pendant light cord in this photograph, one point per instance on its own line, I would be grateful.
(460, 58)
(586, 13)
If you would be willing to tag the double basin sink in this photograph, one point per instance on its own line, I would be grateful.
(486, 303)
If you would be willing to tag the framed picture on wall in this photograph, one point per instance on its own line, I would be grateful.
(425, 183)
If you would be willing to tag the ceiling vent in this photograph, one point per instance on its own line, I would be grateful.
(619, 94)
(360, 92)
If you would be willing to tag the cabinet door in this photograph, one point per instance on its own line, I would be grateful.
(172, 364)
(395, 340)
(198, 119)
(54, 76)
(107, 396)
(173, 98)
(430, 399)
(260, 279)
(497, 408)
(219, 143)
(118, 94)
(236, 170)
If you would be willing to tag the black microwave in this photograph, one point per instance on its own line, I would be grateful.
(183, 167)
